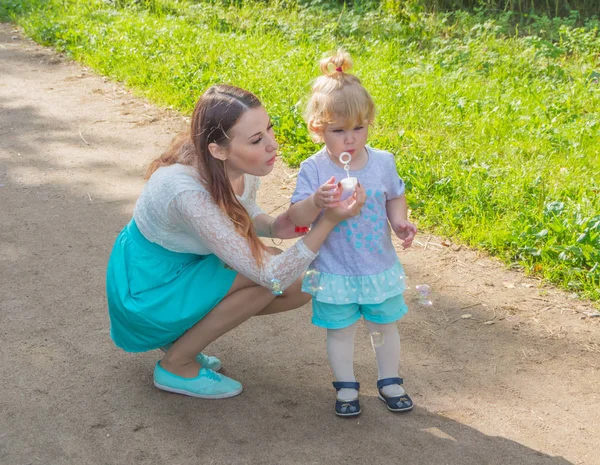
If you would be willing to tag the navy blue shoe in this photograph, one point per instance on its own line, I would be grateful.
(401, 403)
(346, 408)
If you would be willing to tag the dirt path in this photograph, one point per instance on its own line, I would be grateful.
(518, 382)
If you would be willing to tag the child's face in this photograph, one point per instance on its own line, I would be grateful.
(345, 136)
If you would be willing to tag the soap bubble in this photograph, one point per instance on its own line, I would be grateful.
(377, 339)
(312, 280)
(276, 287)
(423, 291)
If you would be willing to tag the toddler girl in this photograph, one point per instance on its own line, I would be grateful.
(357, 272)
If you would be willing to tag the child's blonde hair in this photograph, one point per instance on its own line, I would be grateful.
(337, 94)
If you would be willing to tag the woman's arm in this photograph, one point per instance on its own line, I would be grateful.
(263, 225)
(280, 227)
(197, 211)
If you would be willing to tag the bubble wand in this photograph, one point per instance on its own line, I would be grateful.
(348, 183)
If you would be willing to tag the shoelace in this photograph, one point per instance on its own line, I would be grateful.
(211, 375)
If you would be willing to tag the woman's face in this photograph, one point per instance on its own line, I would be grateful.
(253, 148)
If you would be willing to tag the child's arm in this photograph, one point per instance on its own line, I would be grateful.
(305, 212)
(397, 213)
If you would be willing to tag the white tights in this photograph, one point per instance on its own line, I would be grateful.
(340, 350)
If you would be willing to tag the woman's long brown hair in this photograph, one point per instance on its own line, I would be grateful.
(217, 111)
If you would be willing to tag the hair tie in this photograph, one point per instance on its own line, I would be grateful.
(339, 69)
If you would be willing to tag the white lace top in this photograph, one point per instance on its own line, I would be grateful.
(177, 212)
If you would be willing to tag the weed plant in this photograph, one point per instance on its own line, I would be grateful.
(496, 131)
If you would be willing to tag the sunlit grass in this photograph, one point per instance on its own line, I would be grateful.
(496, 135)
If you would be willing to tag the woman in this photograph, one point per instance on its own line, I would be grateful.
(190, 265)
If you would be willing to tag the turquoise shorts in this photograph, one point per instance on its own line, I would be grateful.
(335, 316)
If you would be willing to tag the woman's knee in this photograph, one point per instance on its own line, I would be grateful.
(295, 290)
(304, 298)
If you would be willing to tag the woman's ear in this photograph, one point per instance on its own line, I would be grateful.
(217, 151)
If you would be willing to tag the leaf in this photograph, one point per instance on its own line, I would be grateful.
(555, 208)
(594, 77)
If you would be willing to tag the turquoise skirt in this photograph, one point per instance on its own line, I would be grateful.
(155, 295)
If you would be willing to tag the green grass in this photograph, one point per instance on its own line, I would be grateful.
(497, 134)
(552, 8)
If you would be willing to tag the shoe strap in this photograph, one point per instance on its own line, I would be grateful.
(346, 385)
(388, 381)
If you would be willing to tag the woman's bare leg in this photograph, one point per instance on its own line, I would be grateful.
(244, 299)
(293, 297)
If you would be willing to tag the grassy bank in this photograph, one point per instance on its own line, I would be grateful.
(550, 8)
(496, 134)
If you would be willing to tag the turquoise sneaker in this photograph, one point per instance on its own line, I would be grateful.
(207, 385)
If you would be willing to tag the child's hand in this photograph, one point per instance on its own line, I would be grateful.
(327, 195)
(349, 207)
(406, 231)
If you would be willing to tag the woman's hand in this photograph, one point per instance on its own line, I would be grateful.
(283, 227)
(327, 195)
(406, 231)
(347, 208)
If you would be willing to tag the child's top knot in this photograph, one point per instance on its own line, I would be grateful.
(337, 94)
(336, 65)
